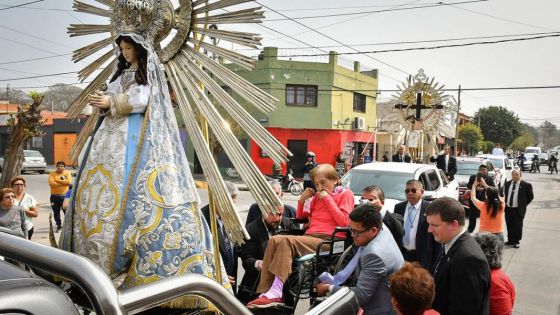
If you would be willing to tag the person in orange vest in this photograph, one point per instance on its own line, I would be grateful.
(59, 180)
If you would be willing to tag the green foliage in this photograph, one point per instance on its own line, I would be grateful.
(470, 138)
(527, 139)
(549, 134)
(498, 124)
(487, 146)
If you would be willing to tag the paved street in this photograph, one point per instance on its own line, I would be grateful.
(533, 267)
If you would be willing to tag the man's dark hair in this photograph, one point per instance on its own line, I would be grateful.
(483, 166)
(367, 215)
(61, 163)
(449, 210)
(377, 190)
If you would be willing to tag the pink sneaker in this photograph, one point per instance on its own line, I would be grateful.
(264, 302)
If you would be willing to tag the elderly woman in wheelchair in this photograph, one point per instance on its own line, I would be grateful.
(327, 207)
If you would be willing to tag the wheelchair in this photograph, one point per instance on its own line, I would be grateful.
(331, 256)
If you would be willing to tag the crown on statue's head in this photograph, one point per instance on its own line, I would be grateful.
(142, 17)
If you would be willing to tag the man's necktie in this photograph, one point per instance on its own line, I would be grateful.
(439, 263)
(229, 260)
(408, 225)
(512, 193)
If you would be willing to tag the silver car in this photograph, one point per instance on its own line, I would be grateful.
(33, 161)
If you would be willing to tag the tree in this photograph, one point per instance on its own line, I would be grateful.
(548, 132)
(59, 96)
(527, 139)
(498, 124)
(487, 146)
(22, 126)
(470, 138)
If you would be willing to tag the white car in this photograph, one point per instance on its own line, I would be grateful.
(33, 162)
(392, 178)
(502, 167)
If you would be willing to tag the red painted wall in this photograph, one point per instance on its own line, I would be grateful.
(325, 143)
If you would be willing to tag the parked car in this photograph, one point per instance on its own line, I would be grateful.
(33, 162)
(502, 169)
(467, 166)
(392, 178)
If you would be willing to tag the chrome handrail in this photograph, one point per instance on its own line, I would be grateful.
(93, 281)
(143, 297)
(99, 288)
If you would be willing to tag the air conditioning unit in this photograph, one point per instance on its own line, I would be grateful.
(360, 123)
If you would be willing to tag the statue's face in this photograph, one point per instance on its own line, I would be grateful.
(129, 52)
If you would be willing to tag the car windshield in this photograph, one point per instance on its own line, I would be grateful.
(392, 183)
(32, 154)
(498, 163)
(467, 168)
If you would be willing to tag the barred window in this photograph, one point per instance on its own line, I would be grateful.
(303, 95)
(359, 103)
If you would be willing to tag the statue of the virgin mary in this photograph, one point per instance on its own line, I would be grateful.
(135, 209)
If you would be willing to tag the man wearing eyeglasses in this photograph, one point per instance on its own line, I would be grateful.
(418, 244)
(376, 258)
(374, 195)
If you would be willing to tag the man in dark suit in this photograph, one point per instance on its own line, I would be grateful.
(519, 195)
(417, 244)
(375, 196)
(255, 212)
(227, 246)
(252, 252)
(400, 156)
(480, 194)
(461, 273)
(446, 162)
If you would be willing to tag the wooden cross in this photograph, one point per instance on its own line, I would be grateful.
(419, 107)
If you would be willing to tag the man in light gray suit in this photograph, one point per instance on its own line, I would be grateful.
(376, 258)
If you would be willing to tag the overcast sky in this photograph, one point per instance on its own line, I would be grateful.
(39, 30)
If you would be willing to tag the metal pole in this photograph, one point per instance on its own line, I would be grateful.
(457, 120)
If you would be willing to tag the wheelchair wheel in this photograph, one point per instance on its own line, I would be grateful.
(343, 260)
(296, 189)
(299, 284)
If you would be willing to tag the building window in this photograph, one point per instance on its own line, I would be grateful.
(305, 95)
(359, 103)
(37, 142)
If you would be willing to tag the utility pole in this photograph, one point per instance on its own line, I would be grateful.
(457, 119)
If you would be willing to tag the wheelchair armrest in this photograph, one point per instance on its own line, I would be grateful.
(299, 220)
(340, 229)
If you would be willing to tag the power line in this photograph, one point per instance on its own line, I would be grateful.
(339, 8)
(439, 4)
(420, 41)
(38, 76)
(27, 45)
(335, 40)
(20, 5)
(356, 52)
(31, 35)
(502, 19)
(33, 59)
